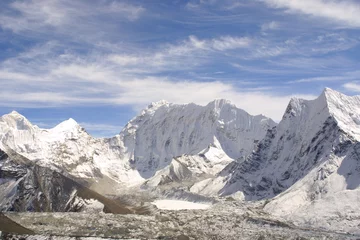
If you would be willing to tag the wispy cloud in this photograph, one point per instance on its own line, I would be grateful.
(352, 86)
(114, 52)
(346, 13)
(222, 43)
(135, 79)
(181, 56)
(119, 90)
(61, 16)
(273, 25)
(348, 76)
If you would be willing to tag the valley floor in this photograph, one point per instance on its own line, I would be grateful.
(224, 220)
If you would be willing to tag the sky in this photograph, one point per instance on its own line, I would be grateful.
(100, 62)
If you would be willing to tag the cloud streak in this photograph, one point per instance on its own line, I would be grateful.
(117, 53)
(352, 87)
(345, 13)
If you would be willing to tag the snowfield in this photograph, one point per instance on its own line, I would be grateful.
(179, 205)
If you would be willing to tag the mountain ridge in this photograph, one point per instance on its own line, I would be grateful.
(68, 147)
(304, 169)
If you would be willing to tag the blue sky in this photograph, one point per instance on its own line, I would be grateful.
(102, 61)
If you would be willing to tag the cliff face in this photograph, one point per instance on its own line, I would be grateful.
(315, 141)
(27, 187)
(164, 131)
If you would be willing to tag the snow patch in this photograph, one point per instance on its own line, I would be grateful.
(179, 205)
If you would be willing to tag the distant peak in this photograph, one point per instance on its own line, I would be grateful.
(330, 95)
(16, 120)
(67, 125)
(331, 92)
(15, 113)
(220, 102)
(71, 121)
(327, 89)
(158, 104)
(151, 108)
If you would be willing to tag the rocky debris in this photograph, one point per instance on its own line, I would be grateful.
(228, 220)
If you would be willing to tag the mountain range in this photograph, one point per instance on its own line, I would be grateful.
(307, 166)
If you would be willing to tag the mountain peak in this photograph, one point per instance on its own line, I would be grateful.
(331, 95)
(219, 103)
(15, 113)
(67, 125)
(16, 120)
(329, 90)
(152, 107)
(155, 105)
(344, 109)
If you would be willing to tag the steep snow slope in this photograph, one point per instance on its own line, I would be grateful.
(329, 196)
(165, 130)
(211, 136)
(311, 134)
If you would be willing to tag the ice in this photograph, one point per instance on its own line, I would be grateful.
(179, 205)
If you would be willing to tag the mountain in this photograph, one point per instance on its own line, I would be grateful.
(25, 186)
(308, 165)
(203, 139)
(306, 169)
(310, 134)
(328, 195)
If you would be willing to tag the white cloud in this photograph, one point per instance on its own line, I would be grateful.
(85, 72)
(270, 26)
(140, 92)
(347, 13)
(8, 75)
(222, 4)
(344, 77)
(352, 86)
(223, 43)
(130, 11)
(125, 60)
(135, 78)
(229, 43)
(34, 14)
(320, 79)
(260, 69)
(255, 102)
(39, 15)
(184, 55)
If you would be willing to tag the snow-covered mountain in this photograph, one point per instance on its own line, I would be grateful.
(307, 166)
(66, 148)
(310, 162)
(171, 143)
(25, 186)
(203, 138)
(210, 137)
